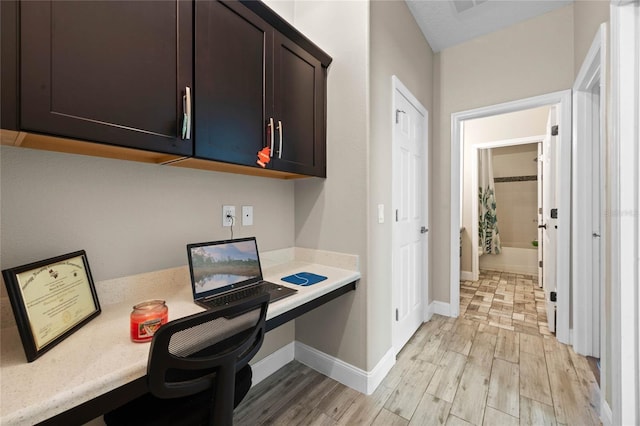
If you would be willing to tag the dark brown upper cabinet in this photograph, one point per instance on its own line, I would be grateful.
(257, 87)
(298, 110)
(115, 72)
(233, 80)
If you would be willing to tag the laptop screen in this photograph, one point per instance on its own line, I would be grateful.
(220, 266)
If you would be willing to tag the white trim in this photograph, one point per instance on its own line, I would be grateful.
(272, 363)
(564, 113)
(624, 253)
(356, 378)
(475, 243)
(587, 297)
(606, 416)
(363, 381)
(440, 308)
(468, 275)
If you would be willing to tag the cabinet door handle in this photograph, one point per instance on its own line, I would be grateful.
(186, 111)
(280, 132)
(271, 130)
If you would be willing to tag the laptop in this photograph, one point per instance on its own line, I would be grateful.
(224, 272)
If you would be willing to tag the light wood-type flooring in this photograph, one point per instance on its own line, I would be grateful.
(497, 364)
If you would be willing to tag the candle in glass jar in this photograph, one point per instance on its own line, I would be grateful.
(146, 318)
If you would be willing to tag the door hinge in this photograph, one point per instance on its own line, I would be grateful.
(396, 315)
(398, 112)
(539, 210)
(554, 130)
(396, 215)
(540, 264)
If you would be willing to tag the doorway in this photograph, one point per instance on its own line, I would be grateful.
(563, 100)
(410, 221)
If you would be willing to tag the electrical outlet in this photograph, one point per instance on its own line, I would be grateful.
(228, 215)
(247, 215)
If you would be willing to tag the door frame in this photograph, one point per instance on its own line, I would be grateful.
(475, 258)
(588, 297)
(396, 84)
(563, 99)
(623, 207)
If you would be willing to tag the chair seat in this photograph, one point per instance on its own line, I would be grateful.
(187, 411)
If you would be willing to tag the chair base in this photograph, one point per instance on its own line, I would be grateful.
(188, 411)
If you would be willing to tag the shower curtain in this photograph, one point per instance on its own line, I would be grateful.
(487, 218)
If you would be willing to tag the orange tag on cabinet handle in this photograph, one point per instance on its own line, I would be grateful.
(264, 156)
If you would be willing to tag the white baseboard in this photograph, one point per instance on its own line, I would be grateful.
(272, 363)
(440, 308)
(360, 380)
(466, 275)
(606, 415)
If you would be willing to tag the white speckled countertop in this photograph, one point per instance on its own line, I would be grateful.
(100, 356)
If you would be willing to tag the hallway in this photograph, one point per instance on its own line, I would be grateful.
(495, 365)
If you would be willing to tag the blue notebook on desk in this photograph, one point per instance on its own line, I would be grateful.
(304, 278)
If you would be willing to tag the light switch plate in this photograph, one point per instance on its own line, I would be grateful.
(247, 215)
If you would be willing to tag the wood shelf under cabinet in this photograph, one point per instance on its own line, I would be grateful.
(71, 146)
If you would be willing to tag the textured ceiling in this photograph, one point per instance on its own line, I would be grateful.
(446, 23)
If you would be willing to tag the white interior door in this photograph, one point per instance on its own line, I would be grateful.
(409, 216)
(549, 218)
(540, 218)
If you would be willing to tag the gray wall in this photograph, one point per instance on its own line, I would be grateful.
(129, 217)
(332, 214)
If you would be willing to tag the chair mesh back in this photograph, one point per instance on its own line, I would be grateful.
(191, 340)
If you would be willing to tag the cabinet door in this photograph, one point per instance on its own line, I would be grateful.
(233, 79)
(299, 110)
(108, 71)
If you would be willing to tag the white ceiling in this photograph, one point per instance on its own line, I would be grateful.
(446, 23)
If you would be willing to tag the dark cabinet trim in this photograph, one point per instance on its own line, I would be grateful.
(9, 11)
(263, 11)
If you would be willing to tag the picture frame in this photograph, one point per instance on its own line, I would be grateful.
(51, 299)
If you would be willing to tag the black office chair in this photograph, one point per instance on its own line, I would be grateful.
(198, 369)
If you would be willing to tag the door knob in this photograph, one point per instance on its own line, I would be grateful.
(542, 226)
(424, 230)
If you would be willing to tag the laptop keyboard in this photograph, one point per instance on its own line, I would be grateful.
(228, 298)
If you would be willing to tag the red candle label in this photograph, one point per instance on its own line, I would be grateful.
(146, 318)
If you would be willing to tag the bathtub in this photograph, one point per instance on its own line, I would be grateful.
(512, 259)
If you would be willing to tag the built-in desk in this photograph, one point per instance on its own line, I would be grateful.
(98, 367)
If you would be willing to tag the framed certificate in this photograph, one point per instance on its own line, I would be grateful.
(51, 299)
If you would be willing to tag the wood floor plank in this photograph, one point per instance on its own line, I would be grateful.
(493, 417)
(365, 408)
(534, 382)
(269, 390)
(504, 388)
(483, 348)
(338, 401)
(446, 378)
(508, 345)
(431, 411)
(569, 401)
(406, 396)
(531, 344)
(387, 418)
(533, 412)
(471, 397)
(457, 421)
(462, 337)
